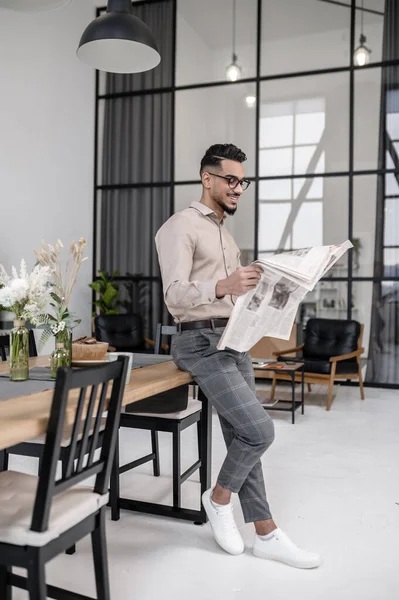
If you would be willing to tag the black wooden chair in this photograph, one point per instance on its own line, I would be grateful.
(146, 415)
(40, 517)
(34, 448)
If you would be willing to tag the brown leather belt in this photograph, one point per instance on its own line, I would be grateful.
(207, 324)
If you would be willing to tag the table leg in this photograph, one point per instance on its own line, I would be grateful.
(293, 396)
(303, 390)
(206, 446)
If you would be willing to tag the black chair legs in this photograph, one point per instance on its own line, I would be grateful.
(155, 451)
(4, 460)
(5, 588)
(36, 578)
(99, 546)
(199, 438)
(114, 492)
(176, 469)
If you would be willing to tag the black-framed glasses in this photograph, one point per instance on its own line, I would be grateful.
(233, 181)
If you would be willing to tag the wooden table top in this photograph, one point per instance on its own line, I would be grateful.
(26, 417)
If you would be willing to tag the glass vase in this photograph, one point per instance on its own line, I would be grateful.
(65, 337)
(59, 358)
(19, 351)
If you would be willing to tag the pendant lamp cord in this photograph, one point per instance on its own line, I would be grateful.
(234, 29)
(361, 18)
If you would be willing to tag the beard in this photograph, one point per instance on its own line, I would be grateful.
(227, 209)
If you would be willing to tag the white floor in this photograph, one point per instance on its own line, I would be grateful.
(333, 485)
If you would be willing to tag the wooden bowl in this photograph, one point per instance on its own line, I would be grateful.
(89, 351)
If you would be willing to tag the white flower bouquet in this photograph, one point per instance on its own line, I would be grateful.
(25, 294)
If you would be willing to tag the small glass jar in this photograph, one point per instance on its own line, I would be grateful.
(59, 358)
(19, 351)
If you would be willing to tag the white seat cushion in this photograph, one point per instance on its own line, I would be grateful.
(193, 406)
(67, 434)
(17, 497)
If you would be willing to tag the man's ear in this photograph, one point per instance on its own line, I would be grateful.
(206, 180)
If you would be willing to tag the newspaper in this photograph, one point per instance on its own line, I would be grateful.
(270, 309)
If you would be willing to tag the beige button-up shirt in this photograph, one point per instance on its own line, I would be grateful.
(195, 251)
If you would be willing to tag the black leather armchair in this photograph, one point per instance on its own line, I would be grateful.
(124, 332)
(331, 350)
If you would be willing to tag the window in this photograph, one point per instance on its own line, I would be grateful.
(391, 200)
(291, 135)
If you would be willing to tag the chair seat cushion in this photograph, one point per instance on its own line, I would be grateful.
(323, 367)
(17, 497)
(192, 407)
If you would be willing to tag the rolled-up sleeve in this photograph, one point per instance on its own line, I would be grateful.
(175, 243)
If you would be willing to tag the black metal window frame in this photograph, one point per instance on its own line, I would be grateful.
(350, 174)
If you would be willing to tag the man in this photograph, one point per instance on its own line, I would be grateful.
(201, 274)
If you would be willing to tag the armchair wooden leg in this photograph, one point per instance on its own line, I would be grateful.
(309, 387)
(361, 383)
(330, 393)
(273, 391)
(331, 386)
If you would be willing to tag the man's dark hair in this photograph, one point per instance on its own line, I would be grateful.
(215, 154)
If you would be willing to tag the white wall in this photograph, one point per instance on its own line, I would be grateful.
(46, 138)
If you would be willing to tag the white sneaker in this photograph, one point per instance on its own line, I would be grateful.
(281, 548)
(223, 525)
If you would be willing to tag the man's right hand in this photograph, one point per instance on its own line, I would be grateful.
(241, 281)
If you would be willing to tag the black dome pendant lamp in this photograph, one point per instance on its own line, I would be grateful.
(118, 42)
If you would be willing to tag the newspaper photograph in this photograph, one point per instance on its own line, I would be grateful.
(270, 309)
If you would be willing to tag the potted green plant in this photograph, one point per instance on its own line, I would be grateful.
(107, 302)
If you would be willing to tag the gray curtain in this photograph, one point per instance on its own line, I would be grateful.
(383, 366)
(137, 146)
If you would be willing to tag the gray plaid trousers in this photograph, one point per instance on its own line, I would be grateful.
(226, 378)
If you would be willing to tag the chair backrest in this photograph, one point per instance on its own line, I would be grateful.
(80, 399)
(325, 338)
(5, 343)
(163, 330)
(125, 332)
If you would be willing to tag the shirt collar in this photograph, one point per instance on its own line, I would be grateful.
(205, 210)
